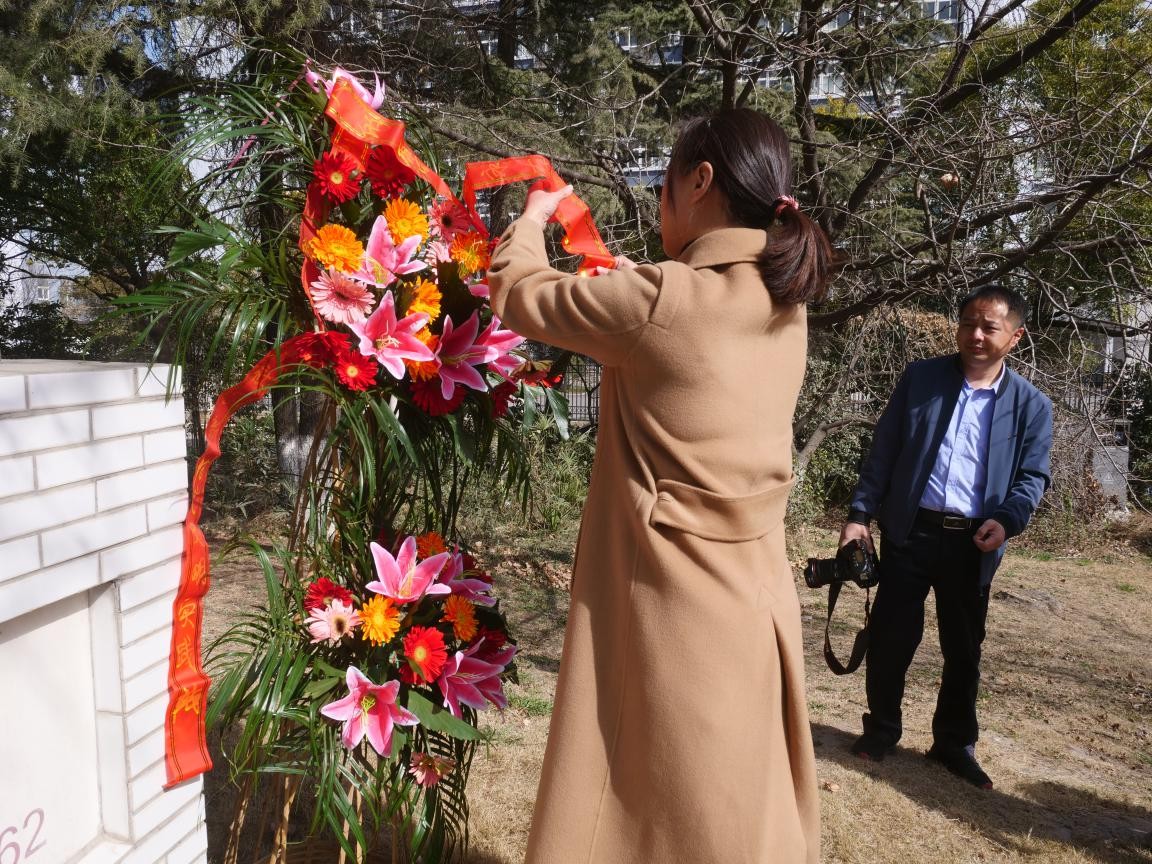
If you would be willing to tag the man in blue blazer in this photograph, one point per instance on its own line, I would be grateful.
(958, 463)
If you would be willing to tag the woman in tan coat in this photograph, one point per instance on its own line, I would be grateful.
(680, 731)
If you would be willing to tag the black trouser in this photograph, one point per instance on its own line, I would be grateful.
(948, 562)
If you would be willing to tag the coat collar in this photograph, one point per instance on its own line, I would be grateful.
(724, 246)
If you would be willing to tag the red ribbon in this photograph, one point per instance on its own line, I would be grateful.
(186, 746)
(580, 234)
(358, 128)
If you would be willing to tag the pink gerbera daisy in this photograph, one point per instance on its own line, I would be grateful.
(448, 218)
(333, 622)
(341, 300)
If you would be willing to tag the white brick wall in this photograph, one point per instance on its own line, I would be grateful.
(93, 483)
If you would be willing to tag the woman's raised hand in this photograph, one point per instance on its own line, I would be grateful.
(541, 205)
(623, 262)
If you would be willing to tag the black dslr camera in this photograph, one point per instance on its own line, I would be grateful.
(853, 563)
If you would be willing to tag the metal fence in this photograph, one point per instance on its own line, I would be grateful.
(581, 387)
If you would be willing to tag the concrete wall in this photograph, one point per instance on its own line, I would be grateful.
(92, 495)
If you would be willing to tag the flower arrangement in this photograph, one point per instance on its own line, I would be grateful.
(360, 678)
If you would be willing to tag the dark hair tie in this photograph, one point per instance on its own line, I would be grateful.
(784, 202)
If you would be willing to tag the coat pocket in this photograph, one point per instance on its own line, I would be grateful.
(726, 518)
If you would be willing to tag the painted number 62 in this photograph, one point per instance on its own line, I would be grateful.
(10, 848)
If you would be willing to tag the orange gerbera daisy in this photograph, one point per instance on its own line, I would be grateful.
(462, 616)
(470, 251)
(426, 298)
(336, 247)
(424, 370)
(405, 220)
(429, 544)
(379, 620)
(425, 650)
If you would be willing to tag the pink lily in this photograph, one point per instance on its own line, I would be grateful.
(475, 590)
(480, 289)
(401, 578)
(459, 354)
(472, 682)
(390, 341)
(498, 342)
(374, 100)
(369, 709)
(384, 260)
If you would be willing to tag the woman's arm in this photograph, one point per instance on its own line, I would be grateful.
(600, 316)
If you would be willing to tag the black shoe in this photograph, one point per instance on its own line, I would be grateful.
(870, 747)
(961, 761)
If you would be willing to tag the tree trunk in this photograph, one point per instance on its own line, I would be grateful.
(295, 417)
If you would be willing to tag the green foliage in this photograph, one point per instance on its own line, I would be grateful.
(830, 476)
(40, 330)
(246, 479)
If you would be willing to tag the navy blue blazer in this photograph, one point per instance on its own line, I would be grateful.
(908, 436)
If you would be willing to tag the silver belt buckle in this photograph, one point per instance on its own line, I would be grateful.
(955, 523)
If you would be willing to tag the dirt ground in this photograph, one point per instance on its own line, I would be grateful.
(1066, 714)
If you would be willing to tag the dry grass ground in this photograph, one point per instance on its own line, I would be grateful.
(1066, 711)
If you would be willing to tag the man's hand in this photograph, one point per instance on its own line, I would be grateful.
(990, 536)
(541, 205)
(856, 531)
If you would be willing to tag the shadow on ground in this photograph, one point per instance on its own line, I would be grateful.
(1104, 830)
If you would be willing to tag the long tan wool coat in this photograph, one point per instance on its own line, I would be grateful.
(680, 730)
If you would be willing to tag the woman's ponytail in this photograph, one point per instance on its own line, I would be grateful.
(797, 261)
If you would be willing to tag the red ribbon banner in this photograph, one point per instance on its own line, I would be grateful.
(186, 746)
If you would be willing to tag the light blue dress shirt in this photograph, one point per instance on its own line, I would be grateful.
(957, 481)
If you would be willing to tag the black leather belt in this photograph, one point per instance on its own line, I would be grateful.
(949, 521)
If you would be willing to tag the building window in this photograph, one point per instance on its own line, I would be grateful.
(625, 39)
(941, 10)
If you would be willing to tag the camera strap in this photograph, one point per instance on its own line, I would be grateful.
(859, 647)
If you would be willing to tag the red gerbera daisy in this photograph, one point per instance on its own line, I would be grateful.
(337, 175)
(323, 590)
(427, 397)
(335, 341)
(387, 176)
(502, 395)
(355, 371)
(424, 648)
(312, 350)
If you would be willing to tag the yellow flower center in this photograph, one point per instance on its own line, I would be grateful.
(406, 582)
(336, 178)
(386, 342)
(367, 703)
(421, 654)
